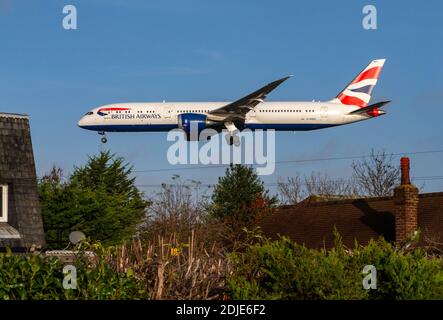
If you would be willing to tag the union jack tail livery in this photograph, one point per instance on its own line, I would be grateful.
(358, 92)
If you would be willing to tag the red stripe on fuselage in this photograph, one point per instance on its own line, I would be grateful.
(112, 109)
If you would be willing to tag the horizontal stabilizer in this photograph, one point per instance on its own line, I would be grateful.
(370, 107)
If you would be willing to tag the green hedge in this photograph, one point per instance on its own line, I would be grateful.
(37, 277)
(265, 270)
(284, 270)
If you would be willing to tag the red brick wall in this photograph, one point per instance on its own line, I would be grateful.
(406, 205)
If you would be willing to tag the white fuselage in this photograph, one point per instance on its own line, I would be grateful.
(163, 116)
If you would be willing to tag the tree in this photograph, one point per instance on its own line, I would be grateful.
(294, 189)
(176, 209)
(376, 176)
(108, 171)
(239, 197)
(322, 184)
(58, 209)
(100, 199)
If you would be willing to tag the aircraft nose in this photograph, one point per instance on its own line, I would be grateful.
(81, 122)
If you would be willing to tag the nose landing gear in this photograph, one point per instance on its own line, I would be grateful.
(103, 139)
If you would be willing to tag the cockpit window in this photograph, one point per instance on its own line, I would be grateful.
(89, 113)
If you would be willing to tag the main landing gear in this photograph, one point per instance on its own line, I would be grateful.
(103, 139)
(232, 137)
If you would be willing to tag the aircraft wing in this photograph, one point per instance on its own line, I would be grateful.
(239, 108)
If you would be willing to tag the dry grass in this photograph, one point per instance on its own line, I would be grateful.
(173, 270)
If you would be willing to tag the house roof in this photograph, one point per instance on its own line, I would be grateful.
(13, 115)
(312, 221)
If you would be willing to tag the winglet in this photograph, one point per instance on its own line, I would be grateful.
(279, 81)
(274, 84)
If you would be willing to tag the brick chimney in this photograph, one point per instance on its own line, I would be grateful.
(406, 205)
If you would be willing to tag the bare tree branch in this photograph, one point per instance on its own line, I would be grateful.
(177, 208)
(292, 189)
(376, 176)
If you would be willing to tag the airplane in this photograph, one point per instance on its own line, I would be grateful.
(251, 111)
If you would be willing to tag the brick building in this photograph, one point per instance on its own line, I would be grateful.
(312, 221)
(21, 223)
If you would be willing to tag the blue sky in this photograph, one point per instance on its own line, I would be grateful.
(206, 50)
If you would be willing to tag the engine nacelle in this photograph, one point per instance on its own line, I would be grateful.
(192, 121)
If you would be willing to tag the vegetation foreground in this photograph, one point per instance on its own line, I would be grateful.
(263, 269)
(181, 243)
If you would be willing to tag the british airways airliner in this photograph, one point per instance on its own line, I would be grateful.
(251, 111)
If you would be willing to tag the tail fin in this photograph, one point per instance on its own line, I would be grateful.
(358, 92)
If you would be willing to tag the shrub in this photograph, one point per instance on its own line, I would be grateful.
(401, 275)
(165, 269)
(284, 270)
(35, 277)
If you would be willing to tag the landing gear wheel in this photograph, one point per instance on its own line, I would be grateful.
(236, 141)
(103, 139)
(232, 140)
(229, 139)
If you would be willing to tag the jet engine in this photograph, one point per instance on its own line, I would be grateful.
(189, 122)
